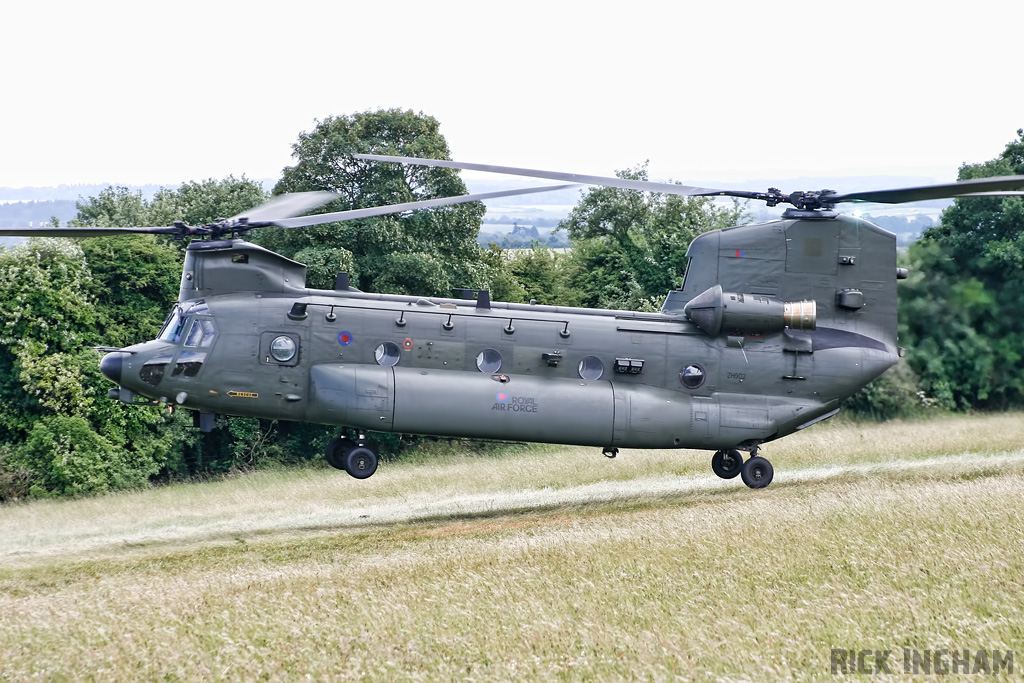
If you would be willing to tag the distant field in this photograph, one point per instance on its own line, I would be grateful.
(543, 563)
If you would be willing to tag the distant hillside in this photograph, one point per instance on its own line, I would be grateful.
(34, 213)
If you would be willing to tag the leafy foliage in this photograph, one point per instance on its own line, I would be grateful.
(958, 308)
(425, 252)
(60, 434)
(64, 440)
(629, 247)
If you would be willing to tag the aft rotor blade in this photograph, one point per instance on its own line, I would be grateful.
(353, 214)
(286, 206)
(83, 232)
(625, 184)
(975, 187)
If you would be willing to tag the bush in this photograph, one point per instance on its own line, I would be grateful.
(896, 394)
(66, 457)
(14, 479)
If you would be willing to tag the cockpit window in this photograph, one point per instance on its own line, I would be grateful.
(175, 323)
(189, 363)
(201, 333)
(153, 370)
(171, 330)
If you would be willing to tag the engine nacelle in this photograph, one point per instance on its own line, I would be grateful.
(745, 315)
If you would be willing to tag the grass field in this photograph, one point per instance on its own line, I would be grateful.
(547, 563)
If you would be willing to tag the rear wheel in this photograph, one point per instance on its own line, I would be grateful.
(757, 472)
(361, 462)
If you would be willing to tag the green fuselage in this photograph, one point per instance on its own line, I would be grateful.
(249, 339)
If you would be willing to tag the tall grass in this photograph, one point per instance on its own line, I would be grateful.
(550, 564)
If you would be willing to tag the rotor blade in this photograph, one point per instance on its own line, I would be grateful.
(353, 214)
(992, 187)
(642, 185)
(286, 206)
(82, 232)
(991, 194)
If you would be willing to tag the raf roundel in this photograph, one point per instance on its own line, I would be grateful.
(344, 338)
(407, 344)
(502, 396)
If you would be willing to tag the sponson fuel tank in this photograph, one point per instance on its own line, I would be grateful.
(595, 413)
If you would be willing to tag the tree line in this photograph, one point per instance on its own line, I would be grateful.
(60, 435)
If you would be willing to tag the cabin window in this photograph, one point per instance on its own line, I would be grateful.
(692, 376)
(278, 348)
(591, 368)
(283, 349)
(488, 361)
(387, 353)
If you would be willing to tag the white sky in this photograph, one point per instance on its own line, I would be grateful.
(164, 92)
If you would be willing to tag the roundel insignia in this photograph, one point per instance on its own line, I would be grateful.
(502, 396)
(407, 344)
(344, 338)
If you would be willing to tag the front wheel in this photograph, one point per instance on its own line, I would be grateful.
(727, 464)
(336, 451)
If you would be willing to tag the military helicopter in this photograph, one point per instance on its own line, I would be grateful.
(773, 325)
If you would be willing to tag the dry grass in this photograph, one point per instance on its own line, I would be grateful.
(557, 564)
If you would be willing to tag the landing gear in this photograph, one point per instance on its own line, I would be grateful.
(727, 464)
(609, 451)
(355, 457)
(757, 472)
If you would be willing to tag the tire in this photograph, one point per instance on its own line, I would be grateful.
(757, 472)
(336, 451)
(727, 464)
(361, 462)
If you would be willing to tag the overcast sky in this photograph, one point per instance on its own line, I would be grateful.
(164, 92)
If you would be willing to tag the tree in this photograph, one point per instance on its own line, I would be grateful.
(629, 247)
(59, 434)
(53, 428)
(195, 203)
(959, 308)
(423, 252)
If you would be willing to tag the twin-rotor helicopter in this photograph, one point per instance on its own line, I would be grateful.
(772, 326)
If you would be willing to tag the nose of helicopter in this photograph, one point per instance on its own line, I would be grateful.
(110, 366)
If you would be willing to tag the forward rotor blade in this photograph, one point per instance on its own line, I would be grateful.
(642, 185)
(975, 187)
(83, 232)
(286, 206)
(353, 214)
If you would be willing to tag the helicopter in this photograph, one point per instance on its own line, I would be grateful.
(772, 326)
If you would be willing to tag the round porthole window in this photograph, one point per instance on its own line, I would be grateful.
(488, 361)
(282, 349)
(591, 368)
(387, 353)
(692, 376)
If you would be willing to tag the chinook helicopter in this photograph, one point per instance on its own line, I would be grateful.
(773, 325)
